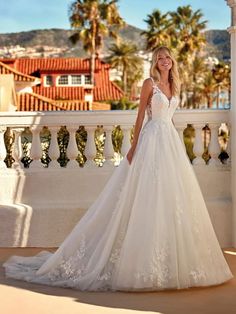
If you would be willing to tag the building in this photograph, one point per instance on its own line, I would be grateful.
(44, 84)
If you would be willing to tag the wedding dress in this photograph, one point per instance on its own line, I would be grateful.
(148, 230)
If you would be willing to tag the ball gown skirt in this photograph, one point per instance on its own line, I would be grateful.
(149, 229)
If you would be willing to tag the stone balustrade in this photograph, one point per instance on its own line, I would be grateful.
(126, 119)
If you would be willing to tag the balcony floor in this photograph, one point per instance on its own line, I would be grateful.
(27, 298)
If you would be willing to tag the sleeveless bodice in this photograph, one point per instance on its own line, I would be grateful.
(160, 107)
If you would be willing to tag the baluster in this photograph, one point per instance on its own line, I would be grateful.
(17, 152)
(53, 151)
(36, 149)
(214, 147)
(90, 149)
(126, 141)
(108, 148)
(198, 146)
(3, 151)
(72, 149)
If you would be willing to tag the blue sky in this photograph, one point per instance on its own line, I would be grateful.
(24, 15)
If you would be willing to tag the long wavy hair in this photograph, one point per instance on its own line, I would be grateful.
(173, 73)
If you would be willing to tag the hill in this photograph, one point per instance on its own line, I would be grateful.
(218, 41)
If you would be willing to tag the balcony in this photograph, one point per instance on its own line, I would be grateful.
(40, 205)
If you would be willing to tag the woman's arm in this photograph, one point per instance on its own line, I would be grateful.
(146, 93)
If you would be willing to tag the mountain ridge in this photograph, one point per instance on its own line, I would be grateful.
(218, 41)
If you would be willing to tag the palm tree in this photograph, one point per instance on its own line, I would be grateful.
(221, 73)
(159, 30)
(124, 57)
(188, 29)
(209, 88)
(93, 20)
(188, 40)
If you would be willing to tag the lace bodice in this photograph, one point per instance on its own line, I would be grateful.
(160, 106)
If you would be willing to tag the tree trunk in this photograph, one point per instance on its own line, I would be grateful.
(93, 53)
(218, 97)
(125, 79)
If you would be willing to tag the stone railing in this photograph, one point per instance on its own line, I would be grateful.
(39, 206)
(126, 119)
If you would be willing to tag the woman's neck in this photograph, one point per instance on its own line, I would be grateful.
(164, 79)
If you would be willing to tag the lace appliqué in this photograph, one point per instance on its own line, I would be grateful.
(198, 275)
(73, 267)
(159, 273)
(149, 105)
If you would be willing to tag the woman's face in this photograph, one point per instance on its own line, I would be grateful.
(164, 62)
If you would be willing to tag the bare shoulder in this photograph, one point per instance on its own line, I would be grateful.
(147, 86)
(148, 83)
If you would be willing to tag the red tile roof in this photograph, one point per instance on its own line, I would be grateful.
(29, 66)
(35, 102)
(104, 89)
(62, 92)
(18, 76)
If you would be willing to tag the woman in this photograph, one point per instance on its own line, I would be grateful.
(149, 229)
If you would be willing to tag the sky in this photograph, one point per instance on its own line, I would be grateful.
(25, 15)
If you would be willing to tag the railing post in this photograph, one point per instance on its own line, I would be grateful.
(198, 146)
(214, 146)
(53, 150)
(72, 149)
(17, 151)
(36, 149)
(3, 151)
(232, 31)
(108, 148)
(90, 148)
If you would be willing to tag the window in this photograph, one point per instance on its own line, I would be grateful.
(72, 80)
(76, 79)
(63, 80)
(48, 80)
(87, 79)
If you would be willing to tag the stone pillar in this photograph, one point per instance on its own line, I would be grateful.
(214, 146)
(108, 148)
(17, 149)
(54, 148)
(72, 149)
(36, 149)
(232, 31)
(90, 148)
(198, 146)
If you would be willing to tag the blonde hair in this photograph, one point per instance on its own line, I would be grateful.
(173, 74)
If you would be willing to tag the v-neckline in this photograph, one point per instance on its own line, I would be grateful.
(169, 99)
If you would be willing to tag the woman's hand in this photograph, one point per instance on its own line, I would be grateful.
(130, 154)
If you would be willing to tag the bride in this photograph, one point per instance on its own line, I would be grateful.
(149, 229)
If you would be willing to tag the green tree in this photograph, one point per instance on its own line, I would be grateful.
(221, 74)
(188, 41)
(182, 30)
(187, 27)
(93, 20)
(158, 30)
(124, 57)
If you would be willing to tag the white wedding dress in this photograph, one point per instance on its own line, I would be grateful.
(148, 230)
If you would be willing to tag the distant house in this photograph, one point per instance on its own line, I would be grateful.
(60, 84)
